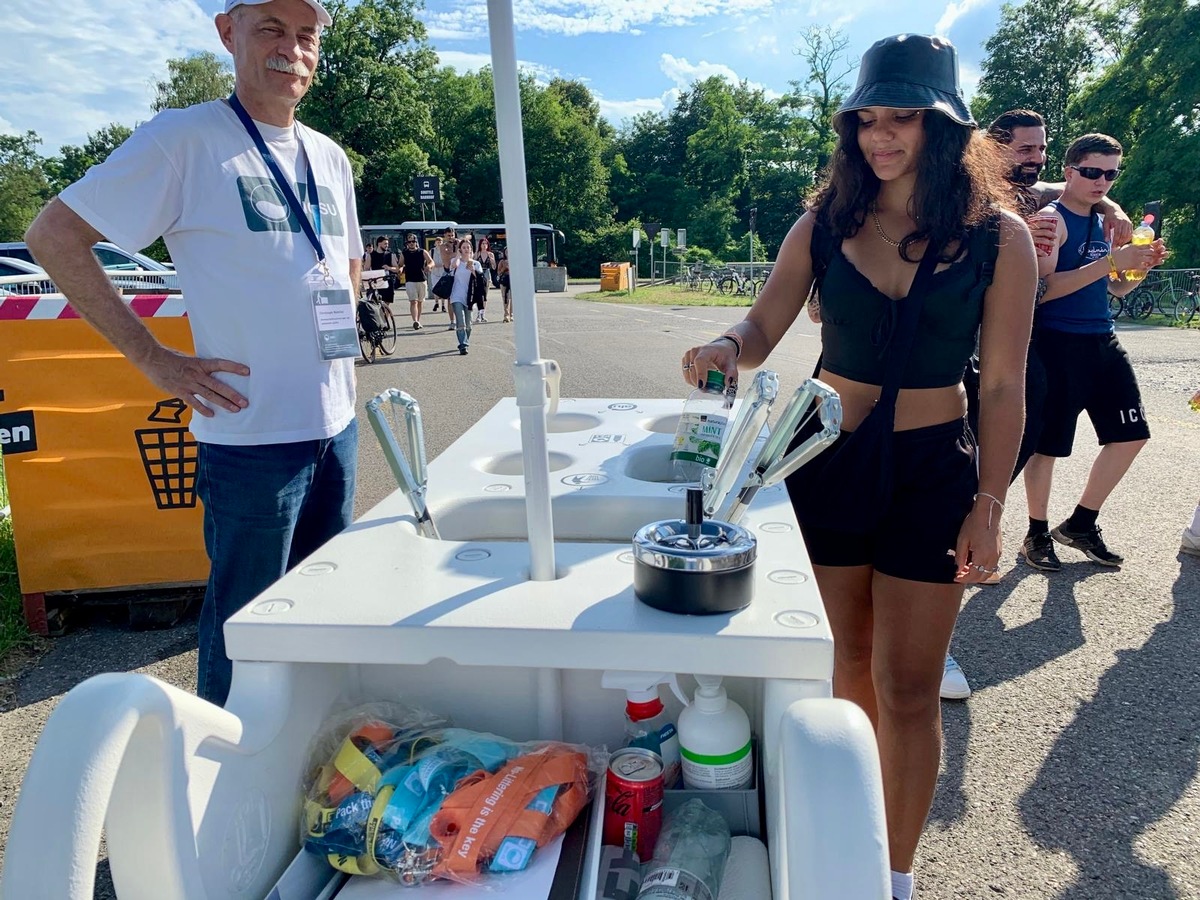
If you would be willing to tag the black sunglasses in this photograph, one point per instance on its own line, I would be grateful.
(1091, 173)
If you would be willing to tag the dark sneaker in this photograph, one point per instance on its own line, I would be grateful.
(1038, 551)
(1089, 542)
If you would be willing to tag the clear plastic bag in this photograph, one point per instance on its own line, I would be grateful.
(396, 792)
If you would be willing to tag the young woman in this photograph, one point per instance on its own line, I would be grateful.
(505, 279)
(466, 273)
(909, 171)
(487, 260)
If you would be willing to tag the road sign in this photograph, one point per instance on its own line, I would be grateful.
(637, 238)
(681, 238)
(426, 189)
(652, 229)
(664, 237)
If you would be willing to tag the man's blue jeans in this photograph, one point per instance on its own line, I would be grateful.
(265, 509)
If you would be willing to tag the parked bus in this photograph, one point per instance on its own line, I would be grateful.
(546, 239)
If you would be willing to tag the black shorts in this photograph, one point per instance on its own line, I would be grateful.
(935, 479)
(1035, 401)
(1088, 373)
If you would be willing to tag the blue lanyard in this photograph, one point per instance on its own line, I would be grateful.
(284, 185)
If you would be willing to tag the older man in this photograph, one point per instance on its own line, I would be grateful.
(258, 213)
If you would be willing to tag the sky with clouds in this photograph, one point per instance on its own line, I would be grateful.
(87, 64)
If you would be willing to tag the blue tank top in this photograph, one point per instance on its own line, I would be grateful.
(1086, 310)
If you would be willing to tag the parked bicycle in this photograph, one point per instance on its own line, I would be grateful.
(376, 324)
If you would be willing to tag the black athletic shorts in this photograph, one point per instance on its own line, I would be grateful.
(1088, 373)
(935, 479)
(1035, 401)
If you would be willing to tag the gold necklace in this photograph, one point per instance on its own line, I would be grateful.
(879, 228)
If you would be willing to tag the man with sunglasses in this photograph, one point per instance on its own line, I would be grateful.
(417, 266)
(1087, 369)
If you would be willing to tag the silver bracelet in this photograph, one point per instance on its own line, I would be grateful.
(995, 502)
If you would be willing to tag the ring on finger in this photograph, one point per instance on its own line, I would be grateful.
(687, 365)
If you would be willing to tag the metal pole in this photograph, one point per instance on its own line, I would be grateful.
(530, 370)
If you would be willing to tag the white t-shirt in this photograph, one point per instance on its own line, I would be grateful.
(194, 177)
(461, 292)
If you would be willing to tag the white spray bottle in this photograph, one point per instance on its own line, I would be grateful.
(714, 740)
(646, 723)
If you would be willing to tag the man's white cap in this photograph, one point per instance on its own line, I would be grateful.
(322, 14)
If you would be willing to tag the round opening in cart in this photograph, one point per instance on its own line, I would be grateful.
(514, 463)
(660, 424)
(650, 463)
(566, 421)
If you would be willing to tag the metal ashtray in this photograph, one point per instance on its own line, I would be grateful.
(694, 569)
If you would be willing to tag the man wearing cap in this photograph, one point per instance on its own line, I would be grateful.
(258, 214)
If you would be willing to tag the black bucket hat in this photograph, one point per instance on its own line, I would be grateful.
(910, 71)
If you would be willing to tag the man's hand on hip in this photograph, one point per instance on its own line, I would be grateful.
(193, 380)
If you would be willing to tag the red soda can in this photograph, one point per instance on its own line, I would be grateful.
(633, 800)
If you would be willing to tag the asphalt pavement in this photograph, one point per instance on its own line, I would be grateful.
(1071, 773)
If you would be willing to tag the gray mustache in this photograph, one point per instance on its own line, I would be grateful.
(279, 64)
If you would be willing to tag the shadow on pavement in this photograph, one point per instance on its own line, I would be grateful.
(992, 654)
(98, 648)
(1139, 736)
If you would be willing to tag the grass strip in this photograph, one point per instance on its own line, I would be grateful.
(667, 295)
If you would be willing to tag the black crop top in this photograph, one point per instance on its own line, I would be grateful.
(857, 320)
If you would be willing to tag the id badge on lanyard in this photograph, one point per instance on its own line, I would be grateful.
(330, 295)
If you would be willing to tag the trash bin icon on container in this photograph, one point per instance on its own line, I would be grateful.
(169, 456)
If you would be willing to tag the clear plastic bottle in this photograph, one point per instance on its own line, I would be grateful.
(701, 430)
(690, 856)
(1142, 235)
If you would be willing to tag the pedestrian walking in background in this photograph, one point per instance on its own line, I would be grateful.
(487, 260)
(417, 266)
(467, 272)
(1087, 369)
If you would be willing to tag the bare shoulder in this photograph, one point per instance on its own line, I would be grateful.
(799, 236)
(1015, 239)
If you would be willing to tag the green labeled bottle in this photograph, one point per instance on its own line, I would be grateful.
(701, 430)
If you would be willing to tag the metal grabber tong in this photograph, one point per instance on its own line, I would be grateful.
(414, 480)
(771, 465)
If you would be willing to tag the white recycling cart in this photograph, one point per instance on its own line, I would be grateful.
(499, 597)
(438, 610)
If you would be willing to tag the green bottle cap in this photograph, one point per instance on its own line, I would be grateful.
(715, 380)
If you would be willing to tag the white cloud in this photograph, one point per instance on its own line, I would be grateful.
(88, 64)
(467, 19)
(954, 11)
(461, 61)
(684, 73)
(617, 111)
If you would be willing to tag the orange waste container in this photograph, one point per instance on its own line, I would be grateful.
(101, 468)
(610, 277)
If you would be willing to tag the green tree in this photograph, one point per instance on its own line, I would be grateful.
(73, 162)
(369, 94)
(1038, 58)
(193, 79)
(822, 92)
(24, 187)
(1149, 99)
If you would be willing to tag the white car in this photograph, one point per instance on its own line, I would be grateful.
(114, 260)
(14, 268)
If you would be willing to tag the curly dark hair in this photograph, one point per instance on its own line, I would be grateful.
(962, 179)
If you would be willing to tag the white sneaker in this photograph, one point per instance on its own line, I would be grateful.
(1190, 543)
(954, 682)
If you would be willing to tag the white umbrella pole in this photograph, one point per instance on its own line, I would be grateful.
(530, 370)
